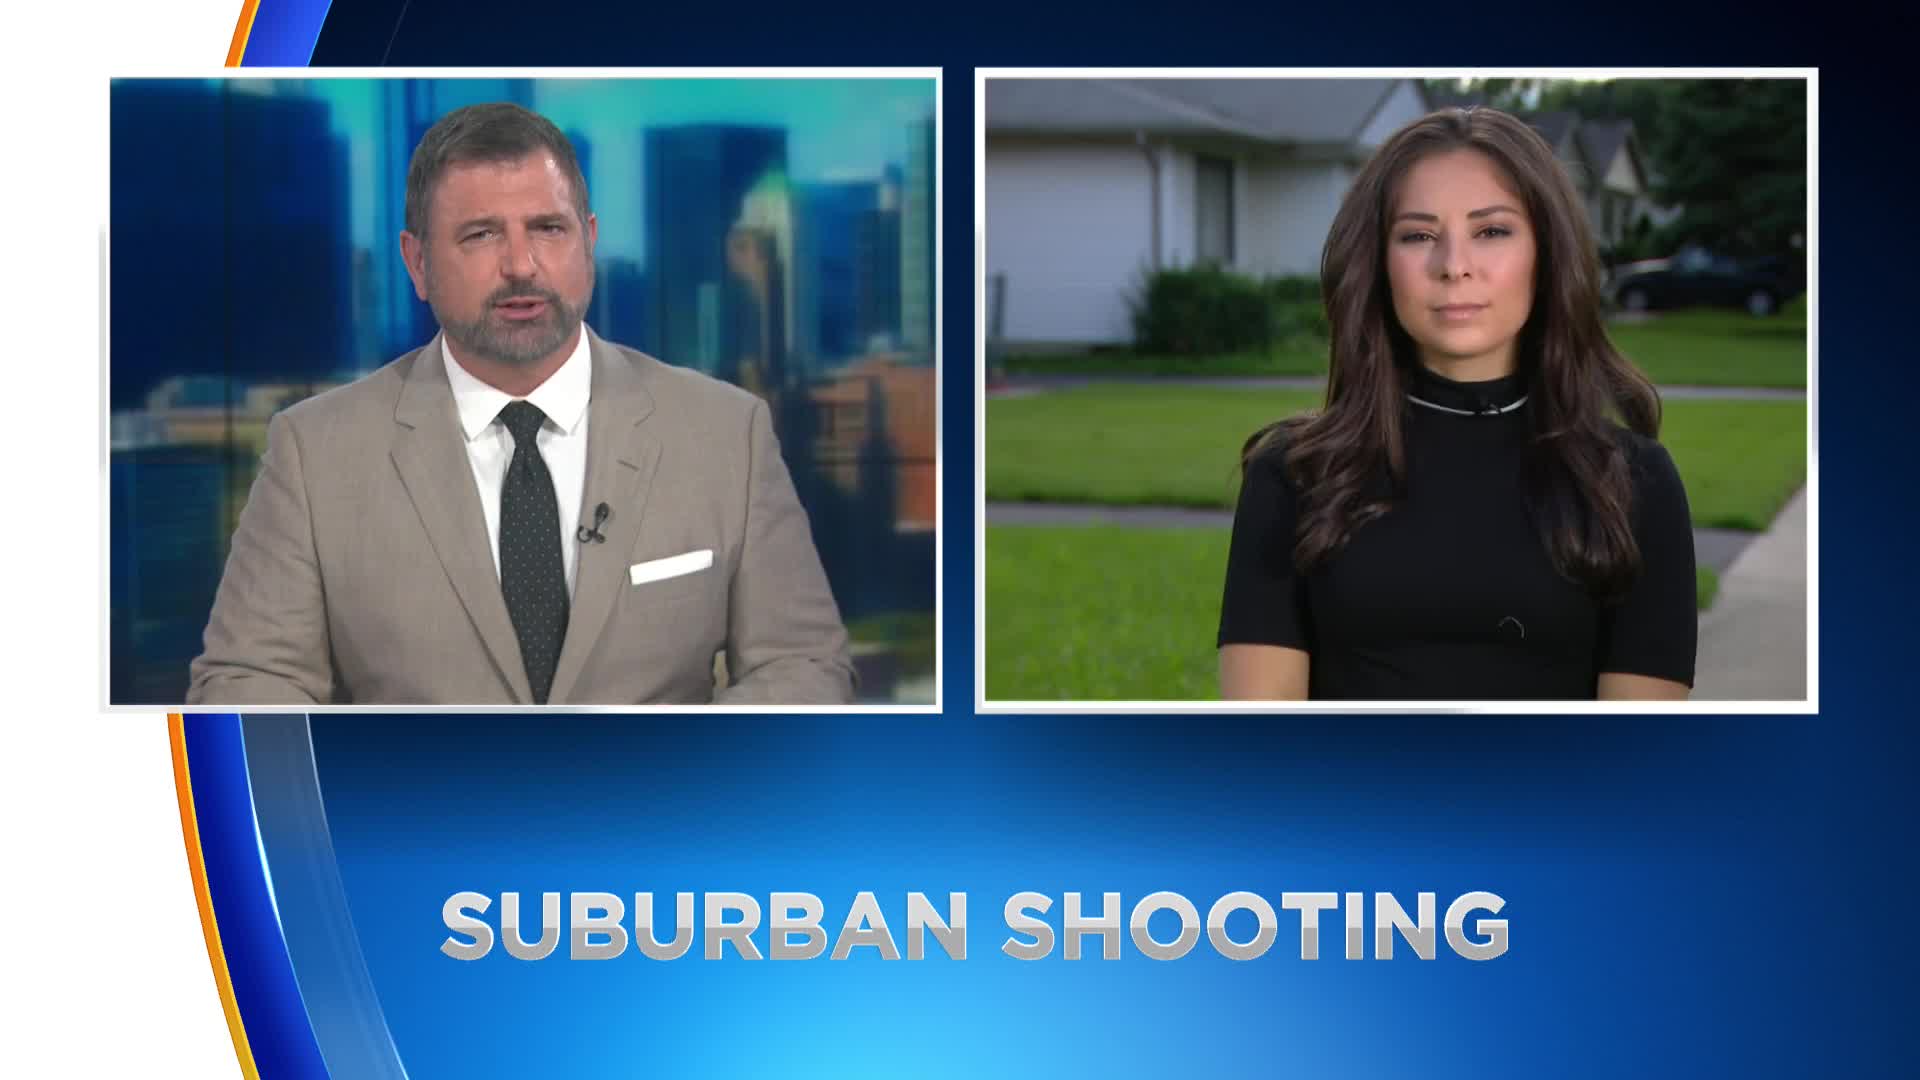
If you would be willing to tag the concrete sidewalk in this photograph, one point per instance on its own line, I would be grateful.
(1753, 641)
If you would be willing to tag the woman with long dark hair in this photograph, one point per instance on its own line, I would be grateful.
(1480, 510)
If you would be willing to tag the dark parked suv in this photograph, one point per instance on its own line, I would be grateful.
(1699, 278)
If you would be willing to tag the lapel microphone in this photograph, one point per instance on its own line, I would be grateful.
(593, 535)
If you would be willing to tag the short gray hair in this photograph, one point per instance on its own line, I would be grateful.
(493, 132)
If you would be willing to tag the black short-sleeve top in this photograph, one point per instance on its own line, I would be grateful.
(1451, 594)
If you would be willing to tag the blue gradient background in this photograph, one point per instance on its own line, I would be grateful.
(284, 32)
(264, 984)
(1679, 904)
(1688, 896)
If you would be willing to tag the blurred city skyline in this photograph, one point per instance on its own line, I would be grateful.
(723, 255)
(774, 234)
(824, 145)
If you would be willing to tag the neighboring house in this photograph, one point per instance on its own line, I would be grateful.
(1605, 160)
(1092, 183)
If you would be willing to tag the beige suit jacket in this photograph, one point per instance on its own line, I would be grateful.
(361, 570)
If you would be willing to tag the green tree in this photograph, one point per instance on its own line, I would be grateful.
(1732, 154)
(1643, 101)
(1510, 95)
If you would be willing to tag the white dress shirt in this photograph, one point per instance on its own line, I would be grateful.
(562, 441)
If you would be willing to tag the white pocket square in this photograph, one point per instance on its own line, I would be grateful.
(671, 566)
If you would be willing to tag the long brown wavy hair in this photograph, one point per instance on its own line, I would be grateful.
(1577, 481)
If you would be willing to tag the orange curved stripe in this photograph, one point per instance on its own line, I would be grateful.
(190, 829)
(241, 31)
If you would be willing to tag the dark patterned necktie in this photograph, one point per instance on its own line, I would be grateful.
(532, 576)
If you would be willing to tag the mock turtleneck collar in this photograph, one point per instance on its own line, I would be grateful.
(1489, 396)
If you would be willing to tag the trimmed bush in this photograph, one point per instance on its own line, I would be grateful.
(1297, 311)
(1200, 311)
(1295, 288)
(1207, 310)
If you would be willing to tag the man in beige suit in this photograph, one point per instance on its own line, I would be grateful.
(520, 512)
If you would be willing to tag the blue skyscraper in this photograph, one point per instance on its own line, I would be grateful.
(826, 219)
(618, 312)
(917, 211)
(876, 270)
(167, 543)
(230, 242)
(697, 178)
(583, 153)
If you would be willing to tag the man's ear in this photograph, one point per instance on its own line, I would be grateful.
(413, 252)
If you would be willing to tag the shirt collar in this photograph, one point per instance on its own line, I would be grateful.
(563, 397)
(1489, 396)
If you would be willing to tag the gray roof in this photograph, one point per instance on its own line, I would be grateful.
(1269, 110)
(1553, 126)
(1601, 141)
(1589, 144)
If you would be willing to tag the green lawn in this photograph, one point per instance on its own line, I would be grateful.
(1304, 357)
(1718, 348)
(1706, 586)
(1741, 460)
(1178, 446)
(1109, 613)
(1103, 613)
(1127, 444)
(1681, 348)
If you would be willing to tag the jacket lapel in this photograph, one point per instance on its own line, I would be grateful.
(621, 455)
(429, 449)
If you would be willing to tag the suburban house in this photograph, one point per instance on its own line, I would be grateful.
(1092, 183)
(1605, 160)
(1606, 164)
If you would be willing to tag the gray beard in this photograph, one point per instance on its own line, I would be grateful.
(517, 345)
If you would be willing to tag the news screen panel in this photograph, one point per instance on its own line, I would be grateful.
(732, 569)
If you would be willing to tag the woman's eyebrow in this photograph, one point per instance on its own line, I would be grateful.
(1416, 215)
